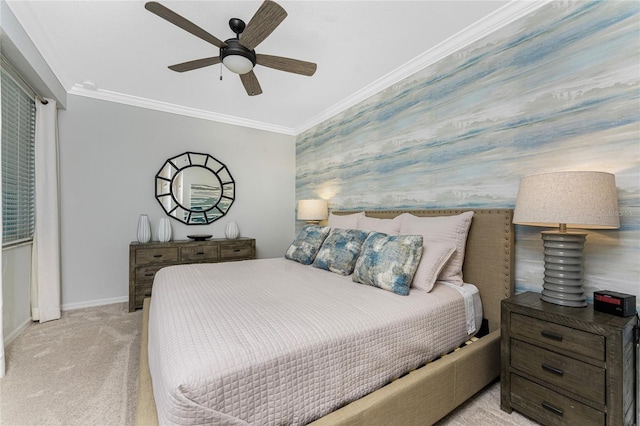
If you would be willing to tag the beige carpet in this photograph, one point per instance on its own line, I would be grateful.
(79, 370)
(82, 370)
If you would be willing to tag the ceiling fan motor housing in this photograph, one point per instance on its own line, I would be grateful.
(233, 47)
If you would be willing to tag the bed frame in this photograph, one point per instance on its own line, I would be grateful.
(427, 394)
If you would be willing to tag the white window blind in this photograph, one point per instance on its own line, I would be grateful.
(18, 189)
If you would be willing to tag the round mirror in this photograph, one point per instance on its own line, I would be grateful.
(195, 188)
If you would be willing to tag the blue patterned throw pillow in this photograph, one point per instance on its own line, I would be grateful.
(340, 250)
(389, 261)
(306, 245)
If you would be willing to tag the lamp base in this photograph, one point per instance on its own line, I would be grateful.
(563, 268)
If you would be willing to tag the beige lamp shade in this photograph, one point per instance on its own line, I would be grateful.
(312, 210)
(586, 200)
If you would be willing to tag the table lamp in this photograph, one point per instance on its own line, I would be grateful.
(313, 211)
(567, 200)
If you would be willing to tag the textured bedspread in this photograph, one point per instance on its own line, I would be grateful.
(274, 342)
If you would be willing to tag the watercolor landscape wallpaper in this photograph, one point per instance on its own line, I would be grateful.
(556, 90)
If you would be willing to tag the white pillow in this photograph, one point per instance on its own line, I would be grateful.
(385, 226)
(348, 221)
(434, 257)
(442, 229)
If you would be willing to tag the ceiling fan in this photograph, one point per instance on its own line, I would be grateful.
(237, 54)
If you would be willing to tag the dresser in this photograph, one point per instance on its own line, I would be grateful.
(563, 365)
(145, 259)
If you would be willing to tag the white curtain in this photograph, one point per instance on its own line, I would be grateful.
(45, 275)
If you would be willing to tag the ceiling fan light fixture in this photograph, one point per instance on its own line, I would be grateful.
(238, 64)
(237, 58)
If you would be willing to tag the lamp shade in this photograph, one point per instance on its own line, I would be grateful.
(314, 210)
(586, 200)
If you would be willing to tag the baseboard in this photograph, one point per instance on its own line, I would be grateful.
(15, 333)
(97, 302)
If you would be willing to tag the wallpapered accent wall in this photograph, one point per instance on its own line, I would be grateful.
(558, 89)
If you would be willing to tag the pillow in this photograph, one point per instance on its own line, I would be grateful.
(385, 226)
(434, 257)
(442, 229)
(348, 221)
(389, 261)
(306, 245)
(340, 250)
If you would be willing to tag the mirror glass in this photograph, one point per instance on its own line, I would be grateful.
(195, 188)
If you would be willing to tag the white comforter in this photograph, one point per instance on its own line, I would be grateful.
(274, 342)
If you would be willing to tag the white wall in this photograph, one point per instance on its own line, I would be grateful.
(109, 156)
(16, 288)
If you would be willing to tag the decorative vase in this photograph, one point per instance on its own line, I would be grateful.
(164, 230)
(231, 231)
(144, 229)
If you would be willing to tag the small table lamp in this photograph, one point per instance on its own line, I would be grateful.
(585, 200)
(313, 211)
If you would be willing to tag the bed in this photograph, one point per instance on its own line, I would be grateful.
(422, 396)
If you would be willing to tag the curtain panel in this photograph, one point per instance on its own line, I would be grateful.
(45, 277)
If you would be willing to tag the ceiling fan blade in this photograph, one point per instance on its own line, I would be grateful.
(295, 66)
(268, 16)
(185, 24)
(194, 65)
(250, 83)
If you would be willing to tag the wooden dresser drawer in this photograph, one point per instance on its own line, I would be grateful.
(145, 274)
(156, 255)
(142, 292)
(549, 407)
(580, 378)
(561, 337)
(240, 250)
(199, 253)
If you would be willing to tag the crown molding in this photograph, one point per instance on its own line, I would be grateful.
(476, 31)
(121, 98)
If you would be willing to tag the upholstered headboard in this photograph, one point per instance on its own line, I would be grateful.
(489, 256)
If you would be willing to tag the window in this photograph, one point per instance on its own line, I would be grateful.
(18, 186)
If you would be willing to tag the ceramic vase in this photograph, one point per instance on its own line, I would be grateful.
(144, 229)
(164, 230)
(231, 231)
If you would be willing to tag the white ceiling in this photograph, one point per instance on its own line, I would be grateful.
(360, 48)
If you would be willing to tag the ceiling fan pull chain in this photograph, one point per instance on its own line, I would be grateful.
(220, 70)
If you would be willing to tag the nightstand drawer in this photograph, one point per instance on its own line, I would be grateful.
(235, 251)
(145, 274)
(550, 407)
(579, 378)
(579, 342)
(156, 255)
(199, 253)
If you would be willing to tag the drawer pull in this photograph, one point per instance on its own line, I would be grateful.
(552, 369)
(554, 410)
(148, 274)
(236, 250)
(200, 252)
(550, 335)
(157, 255)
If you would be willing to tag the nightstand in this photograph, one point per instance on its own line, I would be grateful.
(563, 365)
(145, 259)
